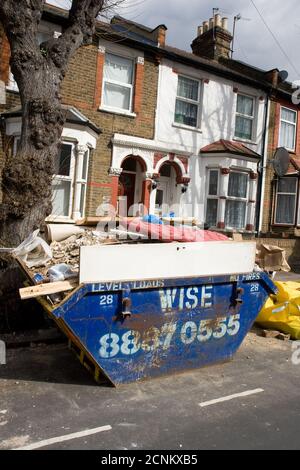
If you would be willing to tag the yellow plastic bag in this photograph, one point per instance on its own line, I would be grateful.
(282, 311)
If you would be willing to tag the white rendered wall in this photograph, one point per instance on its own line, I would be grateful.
(217, 119)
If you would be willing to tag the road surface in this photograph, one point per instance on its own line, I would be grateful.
(48, 401)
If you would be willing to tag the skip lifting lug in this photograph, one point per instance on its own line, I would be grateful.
(239, 293)
(126, 302)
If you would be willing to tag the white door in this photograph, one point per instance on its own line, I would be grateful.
(162, 200)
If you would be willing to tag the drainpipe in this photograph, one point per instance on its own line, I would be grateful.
(263, 167)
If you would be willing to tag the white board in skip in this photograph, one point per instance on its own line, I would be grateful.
(104, 263)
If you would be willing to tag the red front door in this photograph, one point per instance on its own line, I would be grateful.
(127, 188)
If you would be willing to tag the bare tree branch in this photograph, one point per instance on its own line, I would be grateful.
(84, 13)
(82, 19)
(20, 17)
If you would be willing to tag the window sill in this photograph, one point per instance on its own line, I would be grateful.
(245, 141)
(187, 128)
(118, 112)
(283, 225)
(53, 219)
(232, 230)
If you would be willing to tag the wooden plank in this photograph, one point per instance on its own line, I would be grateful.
(92, 221)
(164, 261)
(190, 221)
(46, 289)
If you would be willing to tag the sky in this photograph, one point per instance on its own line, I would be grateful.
(267, 36)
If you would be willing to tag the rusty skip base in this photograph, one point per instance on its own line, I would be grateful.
(131, 331)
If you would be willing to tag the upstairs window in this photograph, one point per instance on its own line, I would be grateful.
(118, 83)
(237, 199)
(285, 206)
(187, 110)
(288, 125)
(244, 119)
(44, 36)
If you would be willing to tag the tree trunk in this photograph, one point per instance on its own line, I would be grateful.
(39, 71)
(27, 175)
(27, 190)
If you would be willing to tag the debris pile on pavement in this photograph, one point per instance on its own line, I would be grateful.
(275, 334)
(271, 258)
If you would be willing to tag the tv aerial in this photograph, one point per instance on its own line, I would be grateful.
(237, 18)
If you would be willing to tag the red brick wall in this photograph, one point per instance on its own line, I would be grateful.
(82, 88)
(273, 144)
(138, 92)
(99, 79)
(4, 57)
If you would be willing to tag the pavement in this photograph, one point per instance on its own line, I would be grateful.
(49, 401)
(285, 277)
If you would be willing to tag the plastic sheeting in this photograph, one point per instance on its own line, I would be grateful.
(168, 233)
(282, 311)
(33, 251)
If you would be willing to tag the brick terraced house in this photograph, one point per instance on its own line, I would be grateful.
(159, 129)
(111, 86)
(280, 217)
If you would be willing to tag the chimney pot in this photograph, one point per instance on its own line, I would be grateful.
(225, 23)
(205, 26)
(211, 23)
(200, 31)
(218, 21)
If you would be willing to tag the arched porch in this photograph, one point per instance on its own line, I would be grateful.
(132, 187)
(170, 184)
(142, 185)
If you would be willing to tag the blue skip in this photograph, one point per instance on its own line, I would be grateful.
(137, 330)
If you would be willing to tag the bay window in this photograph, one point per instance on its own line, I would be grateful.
(187, 108)
(83, 178)
(285, 204)
(69, 182)
(212, 198)
(227, 198)
(62, 181)
(118, 83)
(245, 117)
(288, 125)
(236, 203)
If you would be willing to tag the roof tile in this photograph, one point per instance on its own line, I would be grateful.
(227, 146)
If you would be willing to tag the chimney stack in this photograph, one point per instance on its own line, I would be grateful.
(213, 39)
